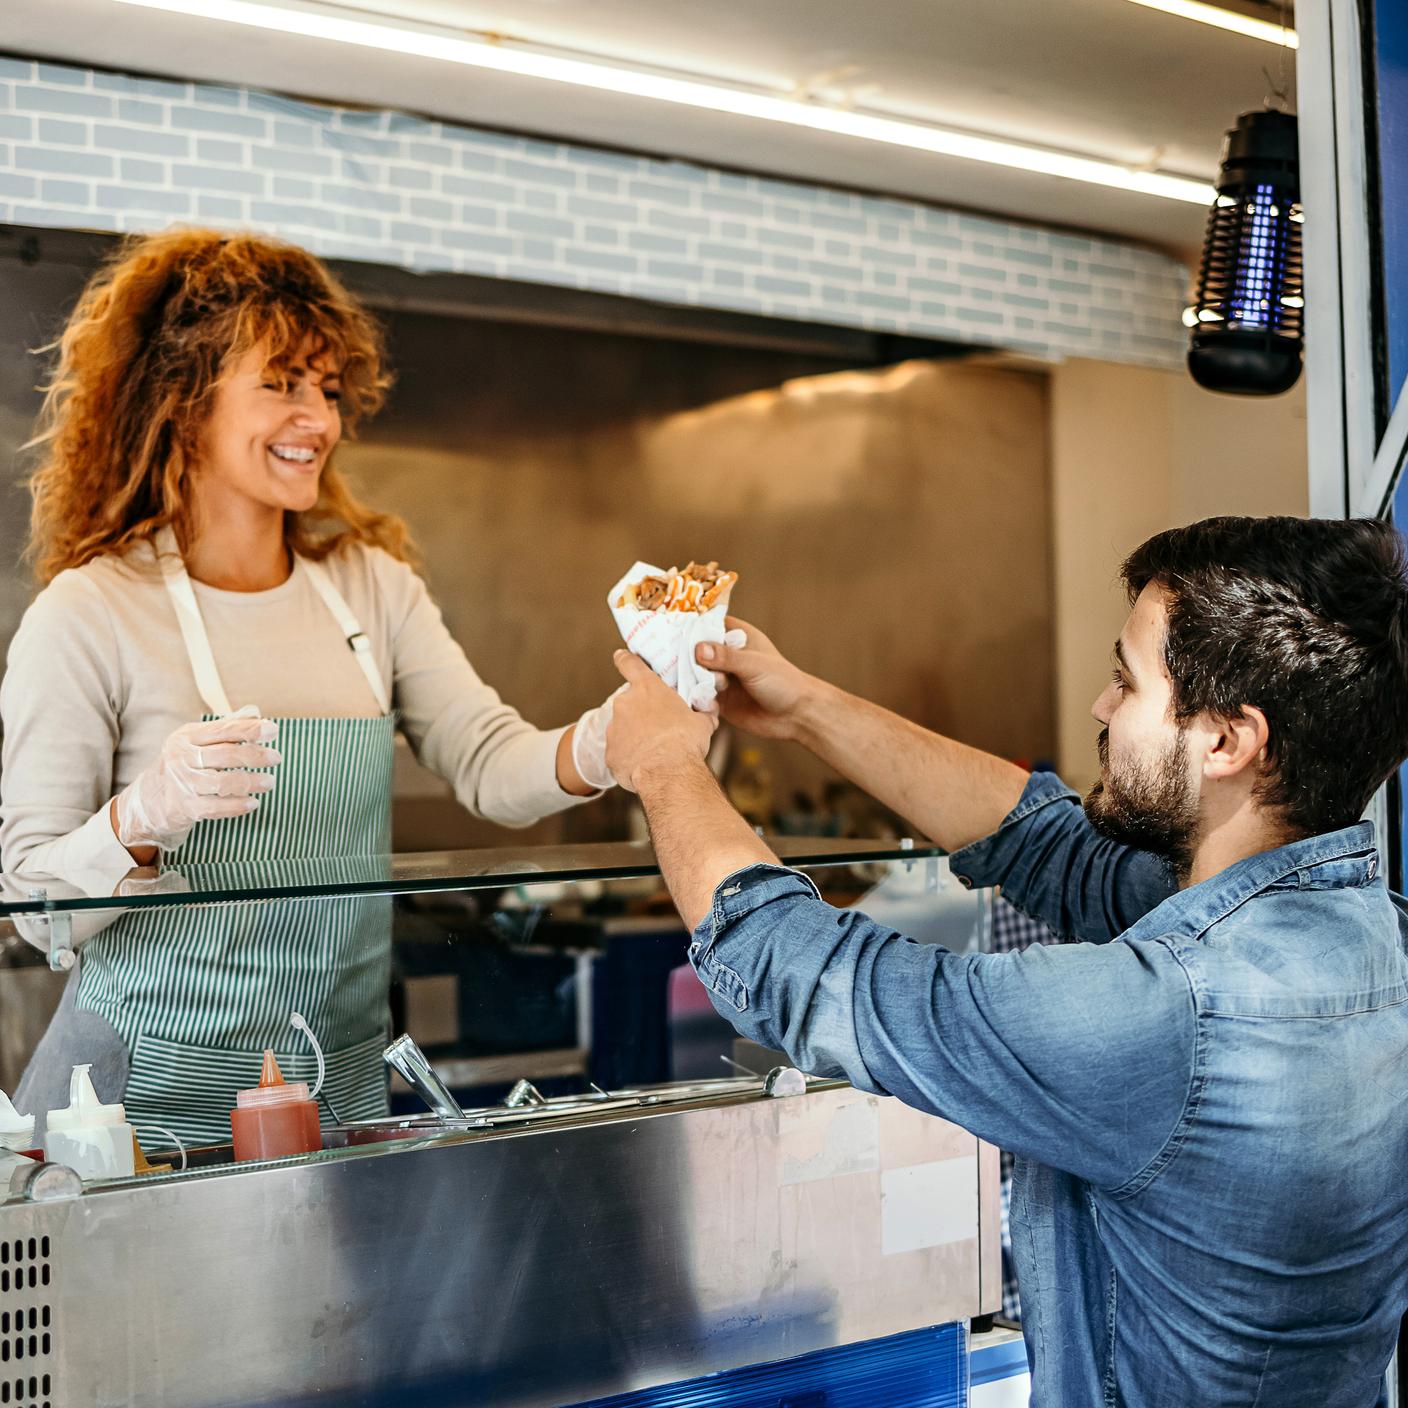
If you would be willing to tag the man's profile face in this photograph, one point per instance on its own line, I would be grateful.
(1147, 795)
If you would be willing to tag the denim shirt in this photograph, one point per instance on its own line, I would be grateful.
(1208, 1095)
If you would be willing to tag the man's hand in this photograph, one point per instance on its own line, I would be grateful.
(652, 728)
(656, 746)
(767, 693)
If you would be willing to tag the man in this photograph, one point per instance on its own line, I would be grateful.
(1208, 1092)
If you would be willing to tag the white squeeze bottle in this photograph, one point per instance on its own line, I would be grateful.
(93, 1139)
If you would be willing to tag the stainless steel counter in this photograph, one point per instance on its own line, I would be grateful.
(540, 1258)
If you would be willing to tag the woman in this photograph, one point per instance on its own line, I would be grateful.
(216, 667)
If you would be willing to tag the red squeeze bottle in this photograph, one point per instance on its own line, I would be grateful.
(274, 1119)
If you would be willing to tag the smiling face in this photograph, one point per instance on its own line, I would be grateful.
(270, 434)
(1148, 793)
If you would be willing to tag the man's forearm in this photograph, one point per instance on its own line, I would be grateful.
(953, 794)
(699, 839)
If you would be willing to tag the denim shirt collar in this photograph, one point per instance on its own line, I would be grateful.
(1336, 860)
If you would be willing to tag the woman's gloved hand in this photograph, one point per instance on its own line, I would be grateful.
(589, 737)
(589, 746)
(203, 772)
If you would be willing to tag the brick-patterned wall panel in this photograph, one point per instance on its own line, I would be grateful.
(105, 151)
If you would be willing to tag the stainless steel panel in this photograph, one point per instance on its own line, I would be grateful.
(586, 1255)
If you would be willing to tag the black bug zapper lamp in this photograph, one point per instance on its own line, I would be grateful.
(1248, 313)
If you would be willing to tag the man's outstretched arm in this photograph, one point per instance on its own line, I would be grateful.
(1000, 825)
(979, 808)
(952, 793)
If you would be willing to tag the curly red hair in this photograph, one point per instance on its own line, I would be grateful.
(136, 371)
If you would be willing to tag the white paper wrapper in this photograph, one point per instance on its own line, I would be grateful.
(665, 640)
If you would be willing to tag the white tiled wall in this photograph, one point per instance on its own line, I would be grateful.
(105, 151)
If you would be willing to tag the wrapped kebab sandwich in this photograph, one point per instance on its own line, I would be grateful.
(662, 616)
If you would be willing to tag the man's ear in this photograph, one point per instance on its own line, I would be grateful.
(1236, 743)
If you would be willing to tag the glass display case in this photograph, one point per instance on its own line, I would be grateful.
(547, 1168)
(563, 965)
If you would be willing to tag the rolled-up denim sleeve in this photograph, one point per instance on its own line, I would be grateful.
(1080, 1056)
(1053, 865)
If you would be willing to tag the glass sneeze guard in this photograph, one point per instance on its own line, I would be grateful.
(408, 873)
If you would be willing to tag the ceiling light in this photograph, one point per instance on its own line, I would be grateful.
(451, 47)
(1226, 19)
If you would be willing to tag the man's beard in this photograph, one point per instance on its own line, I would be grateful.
(1150, 807)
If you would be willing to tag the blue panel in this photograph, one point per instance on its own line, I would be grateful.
(995, 1362)
(923, 1369)
(1391, 54)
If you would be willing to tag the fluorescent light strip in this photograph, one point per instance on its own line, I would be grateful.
(429, 43)
(1225, 19)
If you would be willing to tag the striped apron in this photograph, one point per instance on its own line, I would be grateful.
(197, 992)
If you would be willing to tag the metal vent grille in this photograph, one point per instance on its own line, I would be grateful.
(26, 1334)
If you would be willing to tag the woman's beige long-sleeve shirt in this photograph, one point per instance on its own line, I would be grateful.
(98, 677)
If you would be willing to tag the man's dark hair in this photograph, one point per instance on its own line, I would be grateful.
(1307, 620)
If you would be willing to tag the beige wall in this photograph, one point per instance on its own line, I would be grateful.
(1134, 452)
(890, 526)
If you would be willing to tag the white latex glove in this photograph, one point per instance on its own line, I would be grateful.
(589, 745)
(202, 772)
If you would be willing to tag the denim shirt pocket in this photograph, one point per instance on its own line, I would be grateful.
(718, 977)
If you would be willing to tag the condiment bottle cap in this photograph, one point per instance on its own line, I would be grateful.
(84, 1108)
(272, 1088)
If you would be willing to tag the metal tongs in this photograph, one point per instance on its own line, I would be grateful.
(409, 1061)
